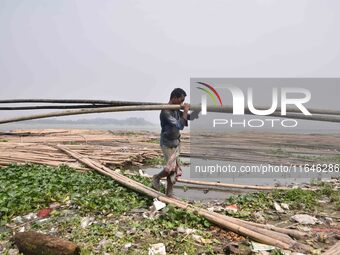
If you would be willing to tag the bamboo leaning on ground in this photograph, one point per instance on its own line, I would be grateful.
(329, 115)
(261, 234)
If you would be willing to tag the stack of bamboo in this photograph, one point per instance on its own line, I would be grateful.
(124, 148)
(111, 149)
(116, 156)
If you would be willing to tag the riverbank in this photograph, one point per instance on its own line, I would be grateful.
(103, 217)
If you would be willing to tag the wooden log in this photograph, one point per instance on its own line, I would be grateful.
(33, 243)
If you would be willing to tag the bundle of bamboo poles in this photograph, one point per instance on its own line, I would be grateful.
(113, 156)
(267, 234)
(101, 106)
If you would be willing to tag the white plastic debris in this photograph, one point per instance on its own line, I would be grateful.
(305, 219)
(158, 205)
(278, 208)
(55, 205)
(187, 231)
(30, 216)
(86, 221)
(256, 247)
(285, 206)
(119, 234)
(141, 173)
(157, 249)
(216, 209)
(127, 246)
(200, 239)
(18, 220)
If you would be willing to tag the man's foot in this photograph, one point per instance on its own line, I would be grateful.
(156, 182)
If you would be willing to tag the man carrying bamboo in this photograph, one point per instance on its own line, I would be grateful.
(172, 121)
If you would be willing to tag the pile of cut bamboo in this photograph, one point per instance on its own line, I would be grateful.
(111, 149)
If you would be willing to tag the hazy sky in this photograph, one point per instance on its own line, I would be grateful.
(141, 50)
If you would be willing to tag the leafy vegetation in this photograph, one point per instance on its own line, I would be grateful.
(159, 160)
(28, 188)
(296, 198)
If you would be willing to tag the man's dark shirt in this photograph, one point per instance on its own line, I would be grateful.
(172, 122)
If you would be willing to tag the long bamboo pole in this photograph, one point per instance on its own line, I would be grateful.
(98, 110)
(43, 107)
(159, 107)
(75, 101)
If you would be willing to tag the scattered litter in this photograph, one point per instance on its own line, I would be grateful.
(278, 208)
(187, 231)
(157, 249)
(232, 208)
(305, 219)
(55, 205)
(158, 205)
(328, 220)
(256, 247)
(18, 220)
(53, 231)
(86, 221)
(30, 216)
(42, 221)
(103, 243)
(22, 229)
(131, 231)
(127, 246)
(216, 209)
(141, 173)
(200, 239)
(43, 213)
(324, 200)
(151, 215)
(119, 234)
(258, 217)
(285, 206)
